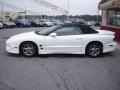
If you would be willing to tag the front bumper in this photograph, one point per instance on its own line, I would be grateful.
(12, 48)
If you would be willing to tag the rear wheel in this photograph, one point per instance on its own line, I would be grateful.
(45, 25)
(94, 50)
(28, 49)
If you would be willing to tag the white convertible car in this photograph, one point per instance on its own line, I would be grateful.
(63, 39)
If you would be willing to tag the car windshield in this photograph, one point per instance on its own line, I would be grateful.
(23, 21)
(47, 31)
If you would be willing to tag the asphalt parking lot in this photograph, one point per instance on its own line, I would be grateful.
(57, 72)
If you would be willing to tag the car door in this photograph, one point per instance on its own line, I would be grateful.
(67, 40)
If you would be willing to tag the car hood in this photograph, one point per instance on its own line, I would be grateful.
(105, 32)
(49, 22)
(25, 23)
(22, 36)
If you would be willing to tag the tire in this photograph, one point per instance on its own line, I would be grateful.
(34, 25)
(5, 26)
(28, 49)
(45, 25)
(94, 50)
(20, 25)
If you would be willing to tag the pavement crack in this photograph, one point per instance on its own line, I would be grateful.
(52, 76)
(10, 88)
(66, 80)
(70, 82)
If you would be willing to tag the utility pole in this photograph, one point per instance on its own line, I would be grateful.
(41, 9)
(68, 10)
(25, 14)
(98, 16)
(53, 13)
(2, 10)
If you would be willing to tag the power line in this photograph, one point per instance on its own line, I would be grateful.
(51, 6)
(17, 8)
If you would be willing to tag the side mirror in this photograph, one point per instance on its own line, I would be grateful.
(53, 35)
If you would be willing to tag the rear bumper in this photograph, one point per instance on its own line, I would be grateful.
(110, 47)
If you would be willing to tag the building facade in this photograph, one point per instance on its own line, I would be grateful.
(111, 16)
(9, 15)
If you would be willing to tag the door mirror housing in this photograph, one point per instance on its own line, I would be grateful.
(53, 35)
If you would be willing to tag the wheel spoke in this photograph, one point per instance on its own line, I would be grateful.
(94, 50)
(28, 49)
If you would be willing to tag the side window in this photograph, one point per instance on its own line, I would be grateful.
(111, 17)
(68, 31)
(87, 30)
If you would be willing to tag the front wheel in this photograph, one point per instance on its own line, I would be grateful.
(45, 25)
(5, 26)
(94, 50)
(20, 25)
(28, 49)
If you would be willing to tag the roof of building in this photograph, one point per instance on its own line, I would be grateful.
(101, 2)
(109, 4)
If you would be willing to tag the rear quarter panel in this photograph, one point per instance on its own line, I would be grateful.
(104, 39)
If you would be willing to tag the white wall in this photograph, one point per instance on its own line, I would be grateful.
(104, 17)
(12, 15)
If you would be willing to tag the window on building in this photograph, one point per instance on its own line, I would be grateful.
(118, 19)
(113, 18)
(0, 19)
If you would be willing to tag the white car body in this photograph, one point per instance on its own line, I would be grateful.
(48, 23)
(1, 25)
(9, 24)
(72, 44)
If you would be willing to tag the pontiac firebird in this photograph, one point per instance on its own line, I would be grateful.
(63, 39)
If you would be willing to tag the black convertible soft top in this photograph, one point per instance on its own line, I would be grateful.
(84, 28)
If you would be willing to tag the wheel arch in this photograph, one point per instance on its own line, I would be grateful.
(28, 42)
(94, 42)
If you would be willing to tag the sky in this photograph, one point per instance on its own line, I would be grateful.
(77, 7)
